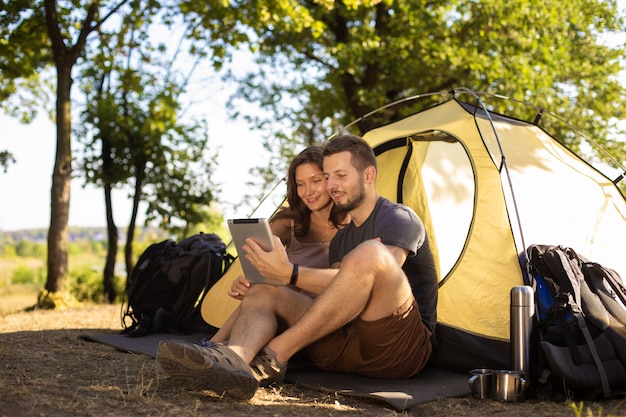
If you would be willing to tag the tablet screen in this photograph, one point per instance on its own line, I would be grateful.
(259, 230)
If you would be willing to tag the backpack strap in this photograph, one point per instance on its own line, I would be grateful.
(576, 276)
(582, 323)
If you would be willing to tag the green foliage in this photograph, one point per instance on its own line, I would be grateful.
(86, 245)
(214, 224)
(33, 36)
(6, 159)
(25, 275)
(580, 410)
(85, 284)
(320, 65)
(30, 249)
(32, 243)
(323, 64)
(98, 247)
(73, 248)
(88, 250)
(8, 251)
(24, 53)
(133, 130)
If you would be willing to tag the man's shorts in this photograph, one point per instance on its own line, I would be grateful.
(397, 346)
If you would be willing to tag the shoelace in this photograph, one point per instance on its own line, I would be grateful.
(205, 343)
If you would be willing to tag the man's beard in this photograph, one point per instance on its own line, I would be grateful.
(352, 203)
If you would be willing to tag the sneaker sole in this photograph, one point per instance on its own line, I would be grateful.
(189, 367)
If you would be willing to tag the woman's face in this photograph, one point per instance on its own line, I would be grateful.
(311, 186)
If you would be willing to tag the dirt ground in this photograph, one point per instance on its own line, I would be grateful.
(46, 370)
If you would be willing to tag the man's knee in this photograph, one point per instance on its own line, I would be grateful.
(260, 294)
(269, 295)
(370, 255)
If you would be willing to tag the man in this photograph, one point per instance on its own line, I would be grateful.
(375, 309)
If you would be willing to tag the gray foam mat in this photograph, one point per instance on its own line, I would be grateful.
(402, 394)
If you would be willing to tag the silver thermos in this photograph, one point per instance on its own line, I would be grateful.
(522, 311)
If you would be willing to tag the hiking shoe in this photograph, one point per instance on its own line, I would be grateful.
(216, 368)
(266, 368)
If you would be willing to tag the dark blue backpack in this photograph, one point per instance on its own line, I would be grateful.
(165, 289)
(579, 338)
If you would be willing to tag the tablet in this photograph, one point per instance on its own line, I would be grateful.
(259, 230)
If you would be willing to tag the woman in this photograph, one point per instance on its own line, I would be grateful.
(305, 227)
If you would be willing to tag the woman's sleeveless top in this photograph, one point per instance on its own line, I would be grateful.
(314, 255)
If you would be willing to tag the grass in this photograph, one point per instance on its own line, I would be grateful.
(18, 297)
(47, 370)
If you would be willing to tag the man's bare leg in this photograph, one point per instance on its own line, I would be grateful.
(223, 333)
(227, 369)
(369, 284)
(260, 313)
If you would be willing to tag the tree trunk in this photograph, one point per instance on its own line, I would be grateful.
(112, 237)
(130, 236)
(64, 57)
(58, 234)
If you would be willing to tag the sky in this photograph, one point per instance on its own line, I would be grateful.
(26, 186)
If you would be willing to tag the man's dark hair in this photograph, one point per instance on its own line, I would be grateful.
(360, 151)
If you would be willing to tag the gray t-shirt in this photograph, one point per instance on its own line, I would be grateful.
(397, 225)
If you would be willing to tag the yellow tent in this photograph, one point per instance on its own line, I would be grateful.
(486, 187)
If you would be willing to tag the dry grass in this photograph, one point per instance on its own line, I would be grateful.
(46, 370)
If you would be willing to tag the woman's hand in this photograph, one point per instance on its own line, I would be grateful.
(274, 264)
(239, 288)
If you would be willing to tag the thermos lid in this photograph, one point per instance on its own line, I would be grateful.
(522, 296)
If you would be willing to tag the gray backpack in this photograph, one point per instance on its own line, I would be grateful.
(165, 289)
(579, 348)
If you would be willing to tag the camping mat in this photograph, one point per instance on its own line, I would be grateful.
(430, 384)
(147, 345)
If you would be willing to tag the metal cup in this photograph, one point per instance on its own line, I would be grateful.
(481, 383)
(508, 385)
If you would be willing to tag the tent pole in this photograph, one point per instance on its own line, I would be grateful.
(542, 111)
(503, 163)
(404, 100)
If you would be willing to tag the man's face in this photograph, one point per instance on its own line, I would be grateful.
(344, 182)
